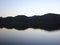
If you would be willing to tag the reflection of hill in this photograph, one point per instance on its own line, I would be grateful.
(48, 22)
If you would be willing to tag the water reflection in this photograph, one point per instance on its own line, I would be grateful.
(29, 37)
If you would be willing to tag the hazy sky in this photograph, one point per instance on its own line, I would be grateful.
(28, 7)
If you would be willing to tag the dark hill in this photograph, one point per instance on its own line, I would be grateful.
(49, 22)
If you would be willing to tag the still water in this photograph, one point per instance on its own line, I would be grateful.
(29, 37)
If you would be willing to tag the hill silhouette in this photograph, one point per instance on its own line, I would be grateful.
(48, 22)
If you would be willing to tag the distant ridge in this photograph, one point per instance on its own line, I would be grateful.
(48, 22)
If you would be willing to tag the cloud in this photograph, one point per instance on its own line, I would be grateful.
(48, 22)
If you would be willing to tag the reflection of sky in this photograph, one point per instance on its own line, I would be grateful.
(28, 7)
(29, 36)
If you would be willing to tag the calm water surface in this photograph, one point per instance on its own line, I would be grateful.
(29, 37)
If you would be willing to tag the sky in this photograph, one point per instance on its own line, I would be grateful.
(28, 7)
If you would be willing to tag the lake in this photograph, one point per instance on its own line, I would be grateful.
(29, 37)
